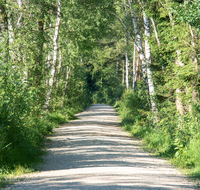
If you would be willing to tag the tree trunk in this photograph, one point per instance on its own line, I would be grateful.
(137, 72)
(55, 42)
(65, 90)
(155, 31)
(122, 72)
(57, 78)
(134, 78)
(138, 41)
(148, 61)
(19, 2)
(127, 63)
(4, 32)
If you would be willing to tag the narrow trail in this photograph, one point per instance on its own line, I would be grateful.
(94, 153)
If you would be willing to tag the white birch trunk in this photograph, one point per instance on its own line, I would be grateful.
(127, 70)
(55, 42)
(48, 66)
(134, 75)
(19, 2)
(122, 71)
(155, 31)
(138, 41)
(66, 83)
(148, 61)
(10, 37)
(19, 58)
(127, 63)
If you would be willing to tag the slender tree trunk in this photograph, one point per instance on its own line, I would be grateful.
(134, 73)
(57, 78)
(19, 2)
(148, 61)
(137, 72)
(122, 71)
(55, 42)
(127, 63)
(48, 66)
(155, 31)
(4, 35)
(66, 83)
(138, 41)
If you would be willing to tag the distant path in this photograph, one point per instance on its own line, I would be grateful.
(94, 153)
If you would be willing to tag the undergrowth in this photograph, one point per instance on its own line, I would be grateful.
(174, 137)
(24, 156)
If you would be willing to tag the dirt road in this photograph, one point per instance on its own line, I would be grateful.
(94, 153)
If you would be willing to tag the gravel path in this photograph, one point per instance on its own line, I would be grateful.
(94, 153)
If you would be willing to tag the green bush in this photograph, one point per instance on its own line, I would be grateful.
(22, 128)
(172, 136)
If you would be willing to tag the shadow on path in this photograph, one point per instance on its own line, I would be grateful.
(93, 152)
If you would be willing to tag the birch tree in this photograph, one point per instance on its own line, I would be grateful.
(134, 67)
(127, 63)
(148, 62)
(55, 47)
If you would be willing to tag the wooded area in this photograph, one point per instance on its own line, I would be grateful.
(59, 56)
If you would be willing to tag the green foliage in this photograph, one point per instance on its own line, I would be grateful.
(132, 105)
(173, 136)
(21, 131)
(188, 13)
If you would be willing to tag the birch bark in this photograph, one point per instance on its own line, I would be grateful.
(55, 42)
(148, 62)
(127, 63)
(138, 41)
(134, 75)
(19, 2)
(122, 71)
(155, 31)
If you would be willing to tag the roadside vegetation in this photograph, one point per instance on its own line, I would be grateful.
(173, 136)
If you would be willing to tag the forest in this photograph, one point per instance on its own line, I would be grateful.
(60, 56)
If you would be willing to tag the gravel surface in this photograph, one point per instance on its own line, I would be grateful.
(94, 153)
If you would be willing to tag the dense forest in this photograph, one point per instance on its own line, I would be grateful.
(60, 56)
